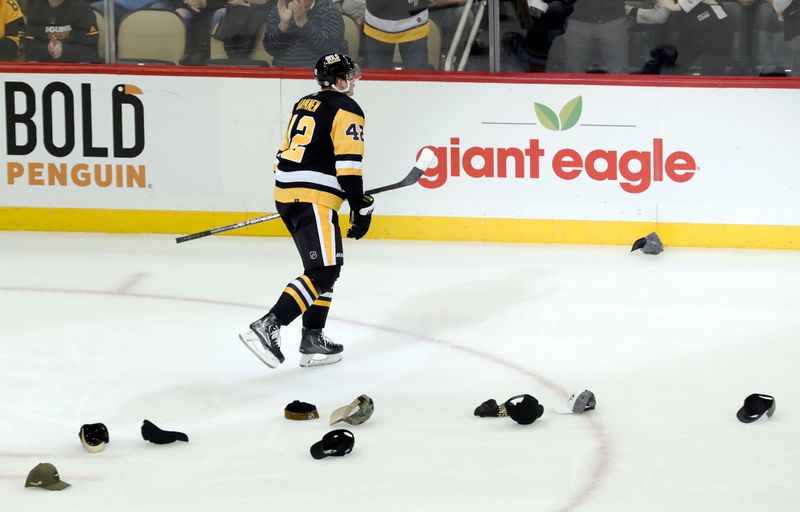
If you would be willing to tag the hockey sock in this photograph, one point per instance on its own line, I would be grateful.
(296, 299)
(317, 314)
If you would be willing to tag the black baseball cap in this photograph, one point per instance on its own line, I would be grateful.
(94, 437)
(150, 432)
(298, 410)
(755, 406)
(335, 443)
(524, 409)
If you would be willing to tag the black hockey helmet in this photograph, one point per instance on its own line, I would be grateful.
(331, 66)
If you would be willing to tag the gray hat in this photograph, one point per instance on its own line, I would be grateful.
(355, 413)
(650, 244)
(581, 401)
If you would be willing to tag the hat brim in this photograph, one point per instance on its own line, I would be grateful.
(341, 414)
(744, 417)
(563, 409)
(316, 451)
(58, 486)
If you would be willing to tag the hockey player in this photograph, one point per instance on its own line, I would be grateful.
(318, 166)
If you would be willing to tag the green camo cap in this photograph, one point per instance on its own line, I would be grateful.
(45, 475)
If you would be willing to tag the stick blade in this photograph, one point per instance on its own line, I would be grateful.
(425, 159)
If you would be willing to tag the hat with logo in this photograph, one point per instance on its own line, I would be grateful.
(355, 413)
(150, 432)
(650, 244)
(524, 409)
(755, 406)
(336, 443)
(45, 475)
(298, 410)
(580, 401)
(94, 437)
(490, 409)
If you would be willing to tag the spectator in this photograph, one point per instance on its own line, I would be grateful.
(789, 10)
(299, 31)
(12, 25)
(124, 7)
(61, 31)
(704, 31)
(196, 16)
(353, 8)
(600, 24)
(543, 21)
(238, 23)
(390, 23)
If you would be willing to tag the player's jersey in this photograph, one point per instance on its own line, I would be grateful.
(11, 21)
(393, 21)
(320, 158)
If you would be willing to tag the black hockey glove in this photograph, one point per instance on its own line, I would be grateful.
(361, 217)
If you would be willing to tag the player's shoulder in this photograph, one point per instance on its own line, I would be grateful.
(339, 101)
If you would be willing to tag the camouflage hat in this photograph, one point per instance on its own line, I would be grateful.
(650, 244)
(355, 413)
(45, 475)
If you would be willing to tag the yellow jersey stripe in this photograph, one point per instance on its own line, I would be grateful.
(397, 37)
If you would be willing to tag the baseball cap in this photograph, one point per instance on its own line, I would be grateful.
(524, 409)
(336, 443)
(45, 475)
(580, 401)
(298, 410)
(755, 406)
(356, 412)
(650, 244)
(94, 437)
(150, 432)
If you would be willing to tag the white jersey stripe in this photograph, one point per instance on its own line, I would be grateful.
(394, 26)
(348, 164)
(307, 176)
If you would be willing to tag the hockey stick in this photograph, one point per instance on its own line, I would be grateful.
(422, 163)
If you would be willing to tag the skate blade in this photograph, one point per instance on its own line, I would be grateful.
(251, 341)
(307, 360)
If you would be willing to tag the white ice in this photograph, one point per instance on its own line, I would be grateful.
(119, 328)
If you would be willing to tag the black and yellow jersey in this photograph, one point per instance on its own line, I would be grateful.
(11, 20)
(320, 158)
(395, 21)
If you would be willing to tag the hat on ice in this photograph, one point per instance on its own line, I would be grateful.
(490, 409)
(298, 410)
(650, 244)
(524, 409)
(155, 435)
(755, 406)
(336, 443)
(45, 475)
(356, 412)
(580, 401)
(94, 437)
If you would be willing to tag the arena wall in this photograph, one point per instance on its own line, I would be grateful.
(705, 162)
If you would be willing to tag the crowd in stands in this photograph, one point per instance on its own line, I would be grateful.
(707, 37)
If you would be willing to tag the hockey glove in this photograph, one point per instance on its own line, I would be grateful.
(361, 217)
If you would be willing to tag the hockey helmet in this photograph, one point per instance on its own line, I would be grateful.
(335, 65)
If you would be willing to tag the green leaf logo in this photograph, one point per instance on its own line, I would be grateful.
(546, 116)
(566, 119)
(571, 113)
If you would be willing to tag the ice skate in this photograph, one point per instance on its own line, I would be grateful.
(264, 340)
(317, 349)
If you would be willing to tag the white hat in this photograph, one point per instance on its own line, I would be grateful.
(580, 401)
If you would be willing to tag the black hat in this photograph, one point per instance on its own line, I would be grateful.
(755, 406)
(298, 410)
(490, 409)
(524, 409)
(155, 435)
(335, 443)
(94, 437)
